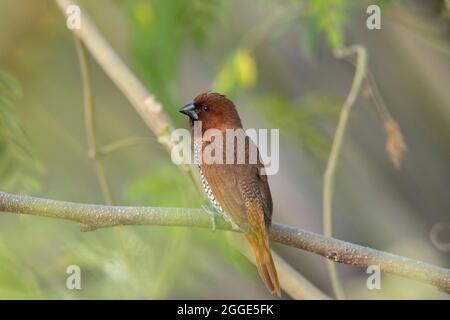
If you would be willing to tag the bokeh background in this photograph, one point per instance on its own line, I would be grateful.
(275, 60)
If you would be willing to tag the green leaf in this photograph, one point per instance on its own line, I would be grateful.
(325, 18)
(19, 168)
(9, 86)
(239, 71)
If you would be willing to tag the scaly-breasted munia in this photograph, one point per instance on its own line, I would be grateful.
(238, 191)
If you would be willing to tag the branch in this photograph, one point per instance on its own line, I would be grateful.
(145, 104)
(92, 217)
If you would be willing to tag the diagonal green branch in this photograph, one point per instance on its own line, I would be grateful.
(92, 217)
(145, 103)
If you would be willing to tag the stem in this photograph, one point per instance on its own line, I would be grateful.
(89, 121)
(98, 216)
(330, 171)
(124, 143)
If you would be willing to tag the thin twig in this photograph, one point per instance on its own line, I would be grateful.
(395, 145)
(149, 109)
(89, 121)
(328, 178)
(92, 217)
(124, 143)
(378, 100)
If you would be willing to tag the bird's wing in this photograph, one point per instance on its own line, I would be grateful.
(235, 186)
(224, 182)
(266, 196)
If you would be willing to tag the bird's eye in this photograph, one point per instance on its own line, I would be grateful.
(205, 108)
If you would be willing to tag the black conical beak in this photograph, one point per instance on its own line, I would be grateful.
(189, 110)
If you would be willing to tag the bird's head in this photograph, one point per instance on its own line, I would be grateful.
(214, 110)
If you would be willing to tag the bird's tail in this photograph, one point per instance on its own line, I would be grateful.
(259, 244)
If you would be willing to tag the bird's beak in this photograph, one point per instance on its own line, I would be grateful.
(189, 110)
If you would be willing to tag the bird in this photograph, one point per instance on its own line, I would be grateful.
(239, 192)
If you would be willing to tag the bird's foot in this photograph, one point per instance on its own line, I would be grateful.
(213, 214)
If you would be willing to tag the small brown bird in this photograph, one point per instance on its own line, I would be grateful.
(238, 191)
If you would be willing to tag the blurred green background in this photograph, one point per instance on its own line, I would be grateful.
(275, 60)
